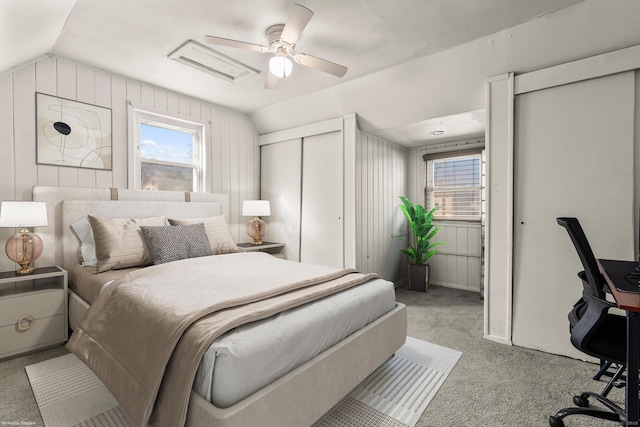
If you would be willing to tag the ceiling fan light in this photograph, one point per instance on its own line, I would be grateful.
(280, 66)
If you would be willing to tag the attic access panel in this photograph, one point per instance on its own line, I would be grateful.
(198, 56)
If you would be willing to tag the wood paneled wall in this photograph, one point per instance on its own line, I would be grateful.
(231, 140)
(459, 262)
(381, 177)
(455, 266)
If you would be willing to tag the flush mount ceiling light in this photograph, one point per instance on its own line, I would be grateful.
(436, 132)
(198, 56)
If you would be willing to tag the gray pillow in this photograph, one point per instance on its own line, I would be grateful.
(172, 243)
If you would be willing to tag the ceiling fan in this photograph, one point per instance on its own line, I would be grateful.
(281, 43)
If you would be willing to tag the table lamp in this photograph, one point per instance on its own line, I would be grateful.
(256, 228)
(24, 247)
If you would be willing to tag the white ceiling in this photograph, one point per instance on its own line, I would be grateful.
(132, 38)
(433, 131)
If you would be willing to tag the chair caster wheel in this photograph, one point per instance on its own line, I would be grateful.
(581, 401)
(555, 422)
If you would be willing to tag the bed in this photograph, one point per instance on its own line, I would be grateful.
(294, 394)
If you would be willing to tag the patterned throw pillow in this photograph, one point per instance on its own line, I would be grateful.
(217, 231)
(172, 243)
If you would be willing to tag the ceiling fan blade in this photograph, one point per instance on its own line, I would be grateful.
(298, 19)
(272, 81)
(320, 64)
(235, 43)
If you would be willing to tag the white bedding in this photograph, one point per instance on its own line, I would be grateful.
(248, 358)
(314, 387)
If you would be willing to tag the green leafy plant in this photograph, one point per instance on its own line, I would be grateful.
(423, 230)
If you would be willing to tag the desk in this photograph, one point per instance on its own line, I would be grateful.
(627, 297)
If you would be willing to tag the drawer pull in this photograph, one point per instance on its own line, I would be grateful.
(25, 323)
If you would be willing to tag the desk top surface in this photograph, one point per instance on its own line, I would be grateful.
(625, 290)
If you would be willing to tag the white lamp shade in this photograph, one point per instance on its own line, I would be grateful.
(280, 66)
(256, 208)
(23, 214)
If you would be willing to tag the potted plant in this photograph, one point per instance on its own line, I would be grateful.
(422, 230)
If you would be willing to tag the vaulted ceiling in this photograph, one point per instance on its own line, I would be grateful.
(134, 38)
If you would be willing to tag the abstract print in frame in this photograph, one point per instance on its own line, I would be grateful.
(72, 133)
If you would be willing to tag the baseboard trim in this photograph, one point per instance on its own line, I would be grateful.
(499, 340)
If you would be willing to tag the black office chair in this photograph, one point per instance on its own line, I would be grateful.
(594, 331)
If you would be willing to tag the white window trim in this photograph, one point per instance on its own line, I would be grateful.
(139, 114)
(459, 154)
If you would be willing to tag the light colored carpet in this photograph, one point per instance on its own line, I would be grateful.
(492, 384)
(396, 394)
(69, 394)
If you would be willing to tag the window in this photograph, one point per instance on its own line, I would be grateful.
(454, 183)
(168, 153)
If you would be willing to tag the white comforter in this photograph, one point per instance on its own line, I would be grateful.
(145, 335)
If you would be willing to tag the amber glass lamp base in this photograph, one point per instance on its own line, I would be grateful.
(256, 229)
(23, 249)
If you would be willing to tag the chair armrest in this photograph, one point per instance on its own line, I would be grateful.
(587, 325)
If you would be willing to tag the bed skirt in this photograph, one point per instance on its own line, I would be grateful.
(77, 309)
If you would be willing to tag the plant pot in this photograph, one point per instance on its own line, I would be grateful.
(419, 277)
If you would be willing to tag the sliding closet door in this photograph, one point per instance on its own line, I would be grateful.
(281, 166)
(322, 231)
(573, 156)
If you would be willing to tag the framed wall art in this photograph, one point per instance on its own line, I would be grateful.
(72, 133)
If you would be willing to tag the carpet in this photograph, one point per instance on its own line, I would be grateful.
(396, 394)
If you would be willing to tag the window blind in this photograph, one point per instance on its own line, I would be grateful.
(454, 183)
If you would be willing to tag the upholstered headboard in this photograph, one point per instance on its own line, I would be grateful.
(65, 205)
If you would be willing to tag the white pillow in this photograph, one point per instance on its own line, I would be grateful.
(83, 230)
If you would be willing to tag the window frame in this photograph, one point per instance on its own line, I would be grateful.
(146, 115)
(428, 191)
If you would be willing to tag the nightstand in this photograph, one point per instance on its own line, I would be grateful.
(33, 310)
(275, 249)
